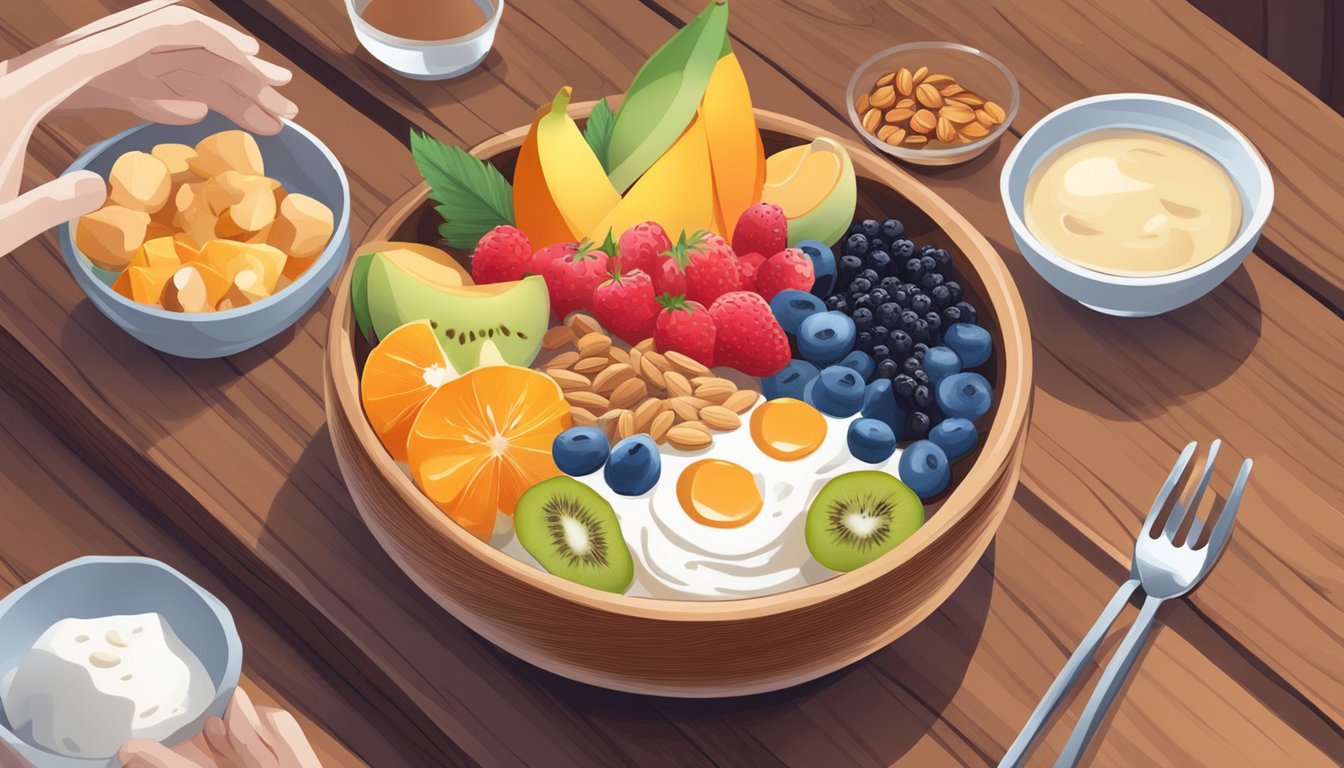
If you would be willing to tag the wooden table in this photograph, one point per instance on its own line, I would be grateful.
(224, 469)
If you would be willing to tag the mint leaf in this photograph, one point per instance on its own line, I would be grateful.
(598, 130)
(473, 196)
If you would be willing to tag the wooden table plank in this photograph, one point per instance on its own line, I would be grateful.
(172, 425)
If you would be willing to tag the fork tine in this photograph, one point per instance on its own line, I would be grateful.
(1179, 512)
(1222, 530)
(1163, 495)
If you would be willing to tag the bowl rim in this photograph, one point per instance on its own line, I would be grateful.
(963, 152)
(1240, 245)
(382, 36)
(233, 665)
(75, 258)
(1001, 436)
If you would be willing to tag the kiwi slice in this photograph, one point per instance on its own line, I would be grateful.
(574, 534)
(859, 516)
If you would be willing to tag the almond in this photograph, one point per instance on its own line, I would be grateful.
(660, 425)
(957, 114)
(970, 99)
(685, 363)
(982, 117)
(919, 75)
(625, 424)
(871, 119)
(929, 96)
(589, 365)
(882, 97)
(711, 388)
(594, 344)
(557, 337)
(861, 104)
(645, 345)
(974, 131)
(582, 324)
(995, 112)
(946, 131)
(915, 140)
(741, 400)
(563, 360)
(718, 418)
(939, 79)
(897, 116)
(885, 80)
(628, 393)
(582, 418)
(951, 89)
(659, 360)
(589, 400)
(906, 104)
(895, 137)
(924, 121)
(611, 377)
(650, 371)
(618, 355)
(677, 385)
(568, 380)
(645, 412)
(904, 82)
(684, 409)
(689, 437)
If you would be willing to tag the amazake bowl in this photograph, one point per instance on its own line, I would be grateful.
(679, 647)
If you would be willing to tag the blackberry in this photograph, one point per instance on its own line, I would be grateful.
(902, 249)
(880, 352)
(900, 343)
(870, 227)
(863, 318)
(848, 269)
(856, 244)
(838, 303)
(921, 303)
(863, 340)
(903, 385)
(951, 315)
(968, 313)
(886, 368)
(879, 296)
(918, 426)
(922, 397)
(941, 296)
(860, 285)
(953, 288)
(892, 229)
(913, 270)
(880, 262)
(911, 364)
(920, 330)
(887, 313)
(931, 280)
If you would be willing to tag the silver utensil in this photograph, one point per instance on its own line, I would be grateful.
(1163, 570)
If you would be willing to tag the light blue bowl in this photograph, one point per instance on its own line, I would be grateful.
(1139, 296)
(92, 587)
(297, 160)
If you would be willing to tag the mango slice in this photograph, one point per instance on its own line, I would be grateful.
(677, 192)
(735, 150)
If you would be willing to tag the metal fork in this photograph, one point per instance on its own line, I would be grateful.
(1164, 570)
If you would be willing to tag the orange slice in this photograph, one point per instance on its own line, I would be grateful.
(483, 439)
(399, 376)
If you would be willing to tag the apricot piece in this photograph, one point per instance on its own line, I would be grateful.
(146, 283)
(302, 227)
(194, 288)
(247, 288)
(227, 151)
(157, 253)
(139, 181)
(110, 236)
(176, 158)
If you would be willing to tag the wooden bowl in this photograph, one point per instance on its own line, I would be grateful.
(688, 648)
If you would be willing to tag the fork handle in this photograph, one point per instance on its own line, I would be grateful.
(1111, 681)
(1087, 648)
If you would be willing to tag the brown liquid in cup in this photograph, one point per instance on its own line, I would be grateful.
(425, 19)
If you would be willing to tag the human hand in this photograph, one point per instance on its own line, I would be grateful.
(247, 737)
(156, 60)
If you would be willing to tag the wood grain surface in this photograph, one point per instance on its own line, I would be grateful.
(230, 462)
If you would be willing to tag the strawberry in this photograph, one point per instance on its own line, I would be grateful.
(686, 327)
(749, 337)
(761, 229)
(640, 246)
(572, 272)
(503, 254)
(625, 305)
(748, 265)
(709, 265)
(788, 269)
(668, 277)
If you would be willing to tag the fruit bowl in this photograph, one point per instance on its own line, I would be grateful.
(685, 648)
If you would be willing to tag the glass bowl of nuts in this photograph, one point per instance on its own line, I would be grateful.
(932, 103)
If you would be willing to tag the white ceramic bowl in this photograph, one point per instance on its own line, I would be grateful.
(428, 59)
(1139, 296)
(91, 587)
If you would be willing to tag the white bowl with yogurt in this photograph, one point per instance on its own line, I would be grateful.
(1097, 210)
(102, 648)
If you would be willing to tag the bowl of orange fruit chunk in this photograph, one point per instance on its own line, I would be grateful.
(212, 240)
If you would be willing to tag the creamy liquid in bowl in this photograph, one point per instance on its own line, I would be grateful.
(1132, 203)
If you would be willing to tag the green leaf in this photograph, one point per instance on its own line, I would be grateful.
(598, 130)
(359, 294)
(473, 196)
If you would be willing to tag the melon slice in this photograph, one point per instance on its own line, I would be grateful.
(814, 184)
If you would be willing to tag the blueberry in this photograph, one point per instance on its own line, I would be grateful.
(892, 229)
(900, 343)
(838, 303)
(847, 269)
(826, 337)
(863, 318)
(920, 303)
(887, 313)
(919, 350)
(879, 296)
(880, 352)
(837, 391)
(871, 440)
(890, 283)
(922, 396)
(879, 333)
(918, 425)
(860, 300)
(971, 343)
(951, 315)
(876, 244)
(902, 249)
(941, 362)
(908, 318)
(863, 340)
(856, 244)
(930, 281)
(885, 369)
(957, 437)
(954, 289)
(870, 227)
(913, 270)
(791, 307)
(854, 229)
(920, 330)
(935, 323)
(903, 384)
(823, 266)
(860, 284)
(964, 395)
(911, 364)
(580, 450)
(968, 313)
(923, 467)
(879, 402)
(928, 263)
(880, 262)
(927, 248)
(921, 376)
(861, 362)
(944, 262)
(941, 296)
(634, 466)
(871, 276)
(790, 381)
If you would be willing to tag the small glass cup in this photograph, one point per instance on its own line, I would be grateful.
(428, 59)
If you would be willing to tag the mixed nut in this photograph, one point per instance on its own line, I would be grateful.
(669, 396)
(918, 110)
